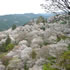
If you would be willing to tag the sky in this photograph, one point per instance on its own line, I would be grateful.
(20, 6)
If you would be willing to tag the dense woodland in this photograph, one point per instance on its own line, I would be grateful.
(41, 44)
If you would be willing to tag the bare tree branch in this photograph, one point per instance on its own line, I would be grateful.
(55, 5)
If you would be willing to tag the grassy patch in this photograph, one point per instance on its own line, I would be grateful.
(48, 67)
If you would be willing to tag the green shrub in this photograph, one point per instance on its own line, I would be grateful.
(43, 28)
(25, 67)
(8, 41)
(63, 22)
(48, 67)
(69, 47)
(13, 27)
(64, 60)
(44, 67)
(9, 47)
(46, 43)
(61, 37)
(2, 48)
(64, 37)
(33, 54)
(58, 38)
(52, 59)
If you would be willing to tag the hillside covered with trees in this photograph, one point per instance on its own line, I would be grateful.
(18, 19)
(41, 44)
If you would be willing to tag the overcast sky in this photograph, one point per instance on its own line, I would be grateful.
(20, 6)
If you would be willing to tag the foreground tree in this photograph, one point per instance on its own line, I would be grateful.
(57, 5)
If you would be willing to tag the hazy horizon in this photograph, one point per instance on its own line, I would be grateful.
(20, 6)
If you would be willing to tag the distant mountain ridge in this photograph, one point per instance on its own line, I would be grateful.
(19, 19)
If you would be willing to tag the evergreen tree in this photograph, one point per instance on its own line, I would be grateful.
(8, 41)
(13, 27)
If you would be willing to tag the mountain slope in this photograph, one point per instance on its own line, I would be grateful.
(19, 19)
